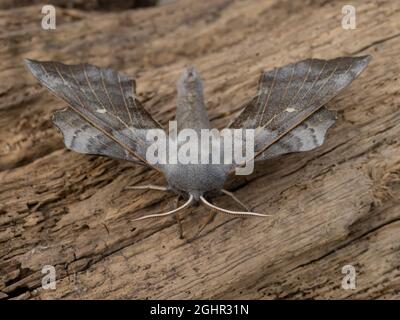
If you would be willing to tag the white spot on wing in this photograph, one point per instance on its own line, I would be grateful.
(101, 110)
(290, 110)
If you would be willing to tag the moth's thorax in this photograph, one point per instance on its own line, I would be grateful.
(195, 179)
(190, 110)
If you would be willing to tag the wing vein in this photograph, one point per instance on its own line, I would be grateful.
(287, 87)
(123, 98)
(106, 91)
(266, 101)
(91, 88)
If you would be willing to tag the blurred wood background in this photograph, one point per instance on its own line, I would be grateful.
(335, 206)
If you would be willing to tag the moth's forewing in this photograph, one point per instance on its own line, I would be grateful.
(103, 99)
(287, 96)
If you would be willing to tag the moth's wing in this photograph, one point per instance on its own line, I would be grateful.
(81, 137)
(289, 95)
(103, 99)
(308, 135)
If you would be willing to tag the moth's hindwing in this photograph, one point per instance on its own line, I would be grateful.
(81, 137)
(307, 136)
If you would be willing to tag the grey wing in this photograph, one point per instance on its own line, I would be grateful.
(305, 137)
(104, 99)
(289, 95)
(81, 137)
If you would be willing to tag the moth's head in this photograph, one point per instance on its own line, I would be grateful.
(196, 197)
(190, 78)
(195, 179)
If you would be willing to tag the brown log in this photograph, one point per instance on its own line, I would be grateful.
(337, 205)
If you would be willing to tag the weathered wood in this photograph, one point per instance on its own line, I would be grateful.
(334, 206)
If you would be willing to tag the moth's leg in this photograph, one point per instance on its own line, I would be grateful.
(178, 218)
(210, 219)
(147, 187)
(236, 199)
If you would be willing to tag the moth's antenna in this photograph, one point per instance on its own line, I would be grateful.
(234, 213)
(187, 203)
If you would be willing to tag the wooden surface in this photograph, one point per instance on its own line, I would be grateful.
(334, 206)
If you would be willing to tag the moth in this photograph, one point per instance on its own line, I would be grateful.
(104, 117)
